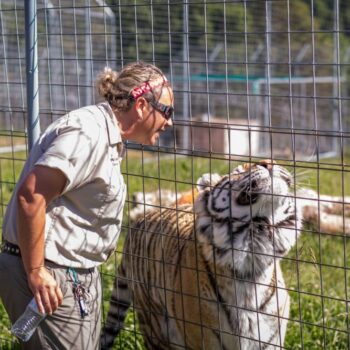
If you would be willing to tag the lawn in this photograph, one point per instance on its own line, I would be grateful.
(316, 271)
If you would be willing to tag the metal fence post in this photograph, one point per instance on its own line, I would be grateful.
(32, 72)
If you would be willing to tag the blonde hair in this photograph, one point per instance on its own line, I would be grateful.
(116, 88)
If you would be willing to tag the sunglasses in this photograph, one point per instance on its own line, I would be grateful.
(167, 111)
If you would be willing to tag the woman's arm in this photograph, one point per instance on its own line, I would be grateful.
(40, 187)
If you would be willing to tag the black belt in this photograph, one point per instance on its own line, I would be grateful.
(10, 248)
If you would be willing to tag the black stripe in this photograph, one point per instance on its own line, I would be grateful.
(240, 229)
(268, 343)
(176, 272)
(272, 287)
(217, 292)
(122, 285)
(230, 239)
(178, 262)
(230, 219)
(218, 337)
(288, 221)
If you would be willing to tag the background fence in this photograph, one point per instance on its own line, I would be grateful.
(252, 79)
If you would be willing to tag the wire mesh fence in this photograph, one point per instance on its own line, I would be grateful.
(252, 80)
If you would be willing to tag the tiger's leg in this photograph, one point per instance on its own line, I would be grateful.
(152, 322)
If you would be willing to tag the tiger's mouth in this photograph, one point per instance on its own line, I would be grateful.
(255, 188)
(247, 198)
(264, 184)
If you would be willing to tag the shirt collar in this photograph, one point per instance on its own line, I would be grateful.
(113, 131)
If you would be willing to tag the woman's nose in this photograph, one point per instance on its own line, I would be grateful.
(170, 122)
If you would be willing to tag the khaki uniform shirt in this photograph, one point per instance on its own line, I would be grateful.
(83, 224)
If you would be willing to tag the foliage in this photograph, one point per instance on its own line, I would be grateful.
(154, 31)
(319, 287)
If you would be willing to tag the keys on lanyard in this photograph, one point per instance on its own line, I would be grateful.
(80, 296)
(80, 293)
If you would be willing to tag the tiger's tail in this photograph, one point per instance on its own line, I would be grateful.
(119, 305)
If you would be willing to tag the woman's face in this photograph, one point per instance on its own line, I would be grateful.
(153, 122)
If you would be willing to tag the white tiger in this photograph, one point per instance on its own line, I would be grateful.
(212, 279)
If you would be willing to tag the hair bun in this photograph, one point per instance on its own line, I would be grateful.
(109, 75)
(106, 82)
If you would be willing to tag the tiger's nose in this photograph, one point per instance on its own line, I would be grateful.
(267, 163)
(247, 166)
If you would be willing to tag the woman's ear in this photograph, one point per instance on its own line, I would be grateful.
(140, 105)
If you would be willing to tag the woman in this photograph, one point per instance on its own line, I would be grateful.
(64, 217)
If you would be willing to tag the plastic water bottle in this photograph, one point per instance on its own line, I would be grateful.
(27, 323)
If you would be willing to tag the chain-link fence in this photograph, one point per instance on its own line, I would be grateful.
(252, 80)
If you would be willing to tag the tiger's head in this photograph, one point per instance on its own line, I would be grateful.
(250, 210)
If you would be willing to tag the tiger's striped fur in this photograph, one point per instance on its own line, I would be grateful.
(212, 279)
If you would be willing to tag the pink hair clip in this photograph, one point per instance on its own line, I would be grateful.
(148, 86)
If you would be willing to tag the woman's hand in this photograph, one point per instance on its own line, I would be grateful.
(46, 290)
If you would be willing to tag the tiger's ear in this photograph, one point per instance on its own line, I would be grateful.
(206, 181)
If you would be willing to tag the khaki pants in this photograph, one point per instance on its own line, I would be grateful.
(65, 328)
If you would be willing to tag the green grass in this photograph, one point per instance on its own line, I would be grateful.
(319, 285)
(316, 271)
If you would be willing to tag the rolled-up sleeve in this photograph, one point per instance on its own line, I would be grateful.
(71, 149)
